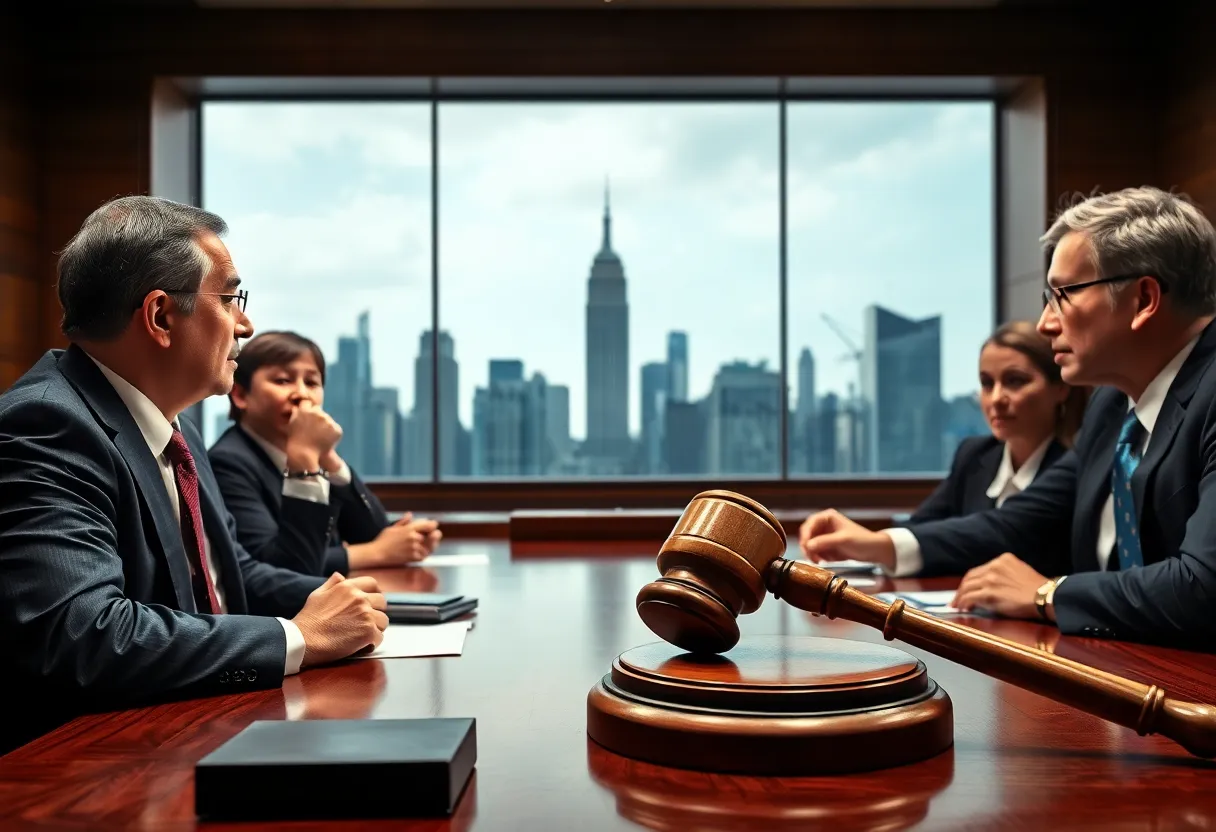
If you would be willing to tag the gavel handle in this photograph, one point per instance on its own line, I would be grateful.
(1145, 708)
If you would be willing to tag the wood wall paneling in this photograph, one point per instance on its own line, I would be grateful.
(20, 328)
(1188, 149)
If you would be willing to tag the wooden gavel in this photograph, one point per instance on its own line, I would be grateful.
(726, 550)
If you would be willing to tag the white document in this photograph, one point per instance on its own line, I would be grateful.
(404, 641)
(936, 601)
(454, 559)
(850, 567)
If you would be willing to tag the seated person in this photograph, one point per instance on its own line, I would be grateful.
(1128, 515)
(1033, 416)
(296, 503)
(120, 581)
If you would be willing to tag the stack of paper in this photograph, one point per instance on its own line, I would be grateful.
(403, 641)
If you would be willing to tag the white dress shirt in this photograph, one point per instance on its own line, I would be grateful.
(1008, 482)
(908, 559)
(157, 431)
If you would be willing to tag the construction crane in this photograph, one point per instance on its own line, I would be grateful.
(854, 353)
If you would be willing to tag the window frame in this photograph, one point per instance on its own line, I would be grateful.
(437, 493)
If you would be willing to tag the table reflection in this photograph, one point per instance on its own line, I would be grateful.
(662, 798)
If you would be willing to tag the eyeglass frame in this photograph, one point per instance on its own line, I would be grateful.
(1059, 294)
(241, 296)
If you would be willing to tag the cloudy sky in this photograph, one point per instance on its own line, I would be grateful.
(329, 209)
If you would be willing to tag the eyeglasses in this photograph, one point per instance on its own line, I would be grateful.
(241, 296)
(1056, 296)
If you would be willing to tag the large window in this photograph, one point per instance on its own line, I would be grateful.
(890, 282)
(611, 275)
(329, 214)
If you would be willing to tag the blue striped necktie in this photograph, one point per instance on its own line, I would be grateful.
(1127, 457)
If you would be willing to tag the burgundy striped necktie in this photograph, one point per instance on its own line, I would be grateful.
(186, 475)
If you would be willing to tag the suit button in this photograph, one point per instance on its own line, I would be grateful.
(238, 675)
(223, 677)
(251, 675)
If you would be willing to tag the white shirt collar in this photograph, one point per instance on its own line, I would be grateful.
(156, 429)
(1149, 406)
(277, 457)
(1023, 477)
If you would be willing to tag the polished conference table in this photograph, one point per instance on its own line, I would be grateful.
(548, 627)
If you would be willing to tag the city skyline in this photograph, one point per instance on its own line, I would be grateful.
(331, 217)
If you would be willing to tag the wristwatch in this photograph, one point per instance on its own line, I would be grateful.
(1043, 597)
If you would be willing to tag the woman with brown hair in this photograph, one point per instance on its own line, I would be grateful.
(1033, 416)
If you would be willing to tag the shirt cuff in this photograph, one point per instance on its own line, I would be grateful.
(295, 647)
(314, 490)
(341, 476)
(907, 552)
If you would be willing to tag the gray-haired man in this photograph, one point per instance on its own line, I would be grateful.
(1130, 515)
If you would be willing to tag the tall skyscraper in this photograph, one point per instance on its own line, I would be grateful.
(803, 427)
(418, 460)
(607, 352)
(347, 391)
(902, 387)
(677, 366)
(654, 398)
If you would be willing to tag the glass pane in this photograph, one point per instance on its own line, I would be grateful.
(609, 289)
(891, 282)
(328, 206)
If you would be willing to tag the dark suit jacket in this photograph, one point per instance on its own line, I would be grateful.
(96, 608)
(1053, 525)
(286, 531)
(965, 489)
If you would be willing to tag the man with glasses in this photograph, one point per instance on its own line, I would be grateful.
(120, 580)
(1130, 514)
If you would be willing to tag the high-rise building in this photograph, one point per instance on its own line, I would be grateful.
(347, 392)
(509, 433)
(743, 420)
(418, 461)
(607, 352)
(902, 387)
(654, 398)
(381, 426)
(684, 437)
(677, 366)
(803, 426)
(557, 420)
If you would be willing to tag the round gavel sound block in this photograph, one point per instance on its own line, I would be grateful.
(776, 705)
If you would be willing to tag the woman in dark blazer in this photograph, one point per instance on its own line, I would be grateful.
(295, 502)
(1033, 416)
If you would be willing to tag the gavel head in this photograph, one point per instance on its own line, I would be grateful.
(713, 566)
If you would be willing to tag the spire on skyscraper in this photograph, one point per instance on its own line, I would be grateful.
(606, 254)
(607, 246)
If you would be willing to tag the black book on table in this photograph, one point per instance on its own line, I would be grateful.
(426, 607)
(338, 768)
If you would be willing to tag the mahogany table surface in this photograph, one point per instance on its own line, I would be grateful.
(546, 630)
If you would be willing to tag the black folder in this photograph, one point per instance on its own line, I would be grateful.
(426, 607)
(338, 768)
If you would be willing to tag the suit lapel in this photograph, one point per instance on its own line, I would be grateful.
(982, 473)
(100, 395)
(1173, 409)
(272, 478)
